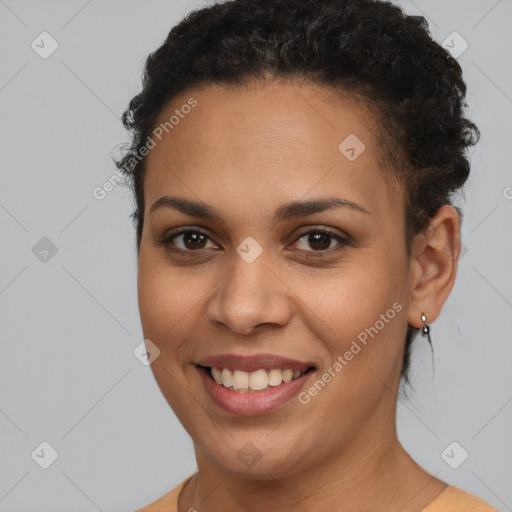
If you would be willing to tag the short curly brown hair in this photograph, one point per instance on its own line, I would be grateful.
(368, 48)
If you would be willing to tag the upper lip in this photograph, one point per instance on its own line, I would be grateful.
(251, 363)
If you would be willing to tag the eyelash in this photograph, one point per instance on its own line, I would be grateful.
(167, 242)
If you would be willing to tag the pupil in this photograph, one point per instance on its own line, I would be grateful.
(195, 237)
(314, 239)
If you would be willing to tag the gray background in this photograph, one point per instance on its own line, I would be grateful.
(69, 325)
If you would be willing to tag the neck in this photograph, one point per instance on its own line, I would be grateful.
(366, 474)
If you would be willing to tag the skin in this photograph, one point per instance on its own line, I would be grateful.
(245, 152)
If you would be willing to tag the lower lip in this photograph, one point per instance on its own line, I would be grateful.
(252, 403)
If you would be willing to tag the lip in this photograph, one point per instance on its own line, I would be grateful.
(251, 363)
(253, 403)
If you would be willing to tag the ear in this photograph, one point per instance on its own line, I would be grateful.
(433, 268)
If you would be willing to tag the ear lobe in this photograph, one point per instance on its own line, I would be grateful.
(435, 255)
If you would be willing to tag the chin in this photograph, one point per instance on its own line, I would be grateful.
(254, 456)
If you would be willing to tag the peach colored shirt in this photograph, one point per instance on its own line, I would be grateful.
(452, 499)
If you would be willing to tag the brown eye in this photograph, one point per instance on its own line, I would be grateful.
(320, 240)
(193, 240)
(186, 240)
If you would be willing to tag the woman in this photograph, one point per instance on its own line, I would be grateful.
(293, 164)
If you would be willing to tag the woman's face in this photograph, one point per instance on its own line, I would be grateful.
(259, 278)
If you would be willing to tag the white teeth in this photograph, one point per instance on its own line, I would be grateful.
(239, 380)
(287, 375)
(258, 380)
(275, 377)
(217, 375)
(227, 377)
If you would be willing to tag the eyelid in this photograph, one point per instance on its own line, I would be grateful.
(345, 237)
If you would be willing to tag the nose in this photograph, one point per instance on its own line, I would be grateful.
(249, 296)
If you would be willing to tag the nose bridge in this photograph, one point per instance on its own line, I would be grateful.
(249, 294)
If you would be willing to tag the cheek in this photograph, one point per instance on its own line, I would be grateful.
(359, 314)
(348, 300)
(166, 305)
(166, 300)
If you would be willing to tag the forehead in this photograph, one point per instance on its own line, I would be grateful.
(273, 143)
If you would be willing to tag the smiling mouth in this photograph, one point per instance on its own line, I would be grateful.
(252, 382)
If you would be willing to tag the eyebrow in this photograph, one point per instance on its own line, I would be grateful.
(284, 212)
